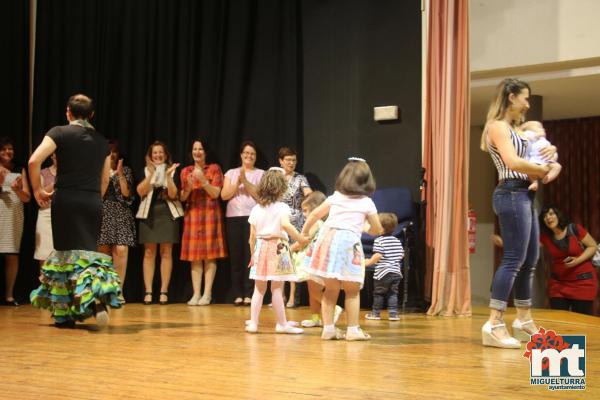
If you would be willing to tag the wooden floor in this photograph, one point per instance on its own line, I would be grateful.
(181, 352)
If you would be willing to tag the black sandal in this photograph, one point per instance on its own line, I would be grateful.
(164, 302)
(69, 324)
(148, 302)
(12, 302)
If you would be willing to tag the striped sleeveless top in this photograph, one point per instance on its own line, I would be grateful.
(504, 172)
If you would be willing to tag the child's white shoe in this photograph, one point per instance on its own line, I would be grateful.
(356, 336)
(336, 334)
(251, 327)
(393, 316)
(312, 323)
(288, 329)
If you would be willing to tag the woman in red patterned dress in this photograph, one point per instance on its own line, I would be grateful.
(203, 238)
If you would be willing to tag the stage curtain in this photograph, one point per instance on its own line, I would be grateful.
(14, 111)
(14, 76)
(446, 158)
(576, 191)
(223, 70)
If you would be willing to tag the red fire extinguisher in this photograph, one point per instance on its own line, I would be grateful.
(472, 229)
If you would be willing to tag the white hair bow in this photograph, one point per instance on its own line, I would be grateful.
(357, 159)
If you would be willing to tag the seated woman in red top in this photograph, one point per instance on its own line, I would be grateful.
(573, 282)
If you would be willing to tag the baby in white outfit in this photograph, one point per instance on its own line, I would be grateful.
(536, 136)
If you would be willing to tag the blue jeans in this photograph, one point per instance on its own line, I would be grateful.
(513, 204)
(386, 288)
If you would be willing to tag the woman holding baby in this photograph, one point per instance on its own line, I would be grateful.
(513, 204)
(203, 241)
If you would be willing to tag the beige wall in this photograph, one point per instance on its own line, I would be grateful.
(481, 186)
(534, 31)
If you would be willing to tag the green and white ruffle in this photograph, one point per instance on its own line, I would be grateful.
(72, 281)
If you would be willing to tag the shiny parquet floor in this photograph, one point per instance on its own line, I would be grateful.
(181, 352)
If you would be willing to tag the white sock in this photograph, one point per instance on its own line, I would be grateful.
(329, 328)
(353, 329)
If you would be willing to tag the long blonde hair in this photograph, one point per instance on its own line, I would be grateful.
(501, 103)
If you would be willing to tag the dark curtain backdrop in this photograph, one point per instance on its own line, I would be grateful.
(14, 47)
(172, 70)
(577, 189)
(14, 84)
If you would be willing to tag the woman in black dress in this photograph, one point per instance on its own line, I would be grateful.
(76, 280)
(158, 213)
(117, 233)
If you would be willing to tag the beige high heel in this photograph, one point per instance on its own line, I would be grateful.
(489, 339)
(205, 300)
(193, 301)
(519, 333)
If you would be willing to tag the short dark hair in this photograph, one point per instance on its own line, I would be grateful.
(271, 188)
(247, 143)
(355, 179)
(5, 141)
(313, 200)
(563, 221)
(286, 152)
(389, 222)
(165, 149)
(209, 156)
(81, 106)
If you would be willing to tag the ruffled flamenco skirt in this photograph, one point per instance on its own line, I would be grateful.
(71, 283)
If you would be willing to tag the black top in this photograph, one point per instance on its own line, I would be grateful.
(80, 154)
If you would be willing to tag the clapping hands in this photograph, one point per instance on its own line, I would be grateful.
(172, 169)
(243, 179)
(150, 165)
(17, 184)
(120, 168)
(3, 173)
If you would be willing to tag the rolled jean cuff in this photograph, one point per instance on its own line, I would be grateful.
(498, 304)
(523, 303)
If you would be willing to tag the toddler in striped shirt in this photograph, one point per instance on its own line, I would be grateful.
(387, 255)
